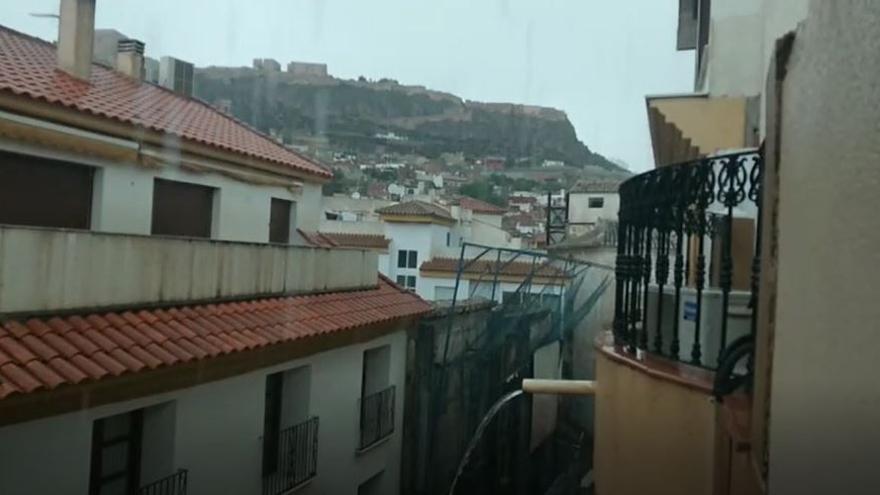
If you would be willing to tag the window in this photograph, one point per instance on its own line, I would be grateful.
(407, 281)
(595, 202)
(116, 452)
(48, 193)
(407, 259)
(272, 422)
(183, 209)
(448, 239)
(279, 220)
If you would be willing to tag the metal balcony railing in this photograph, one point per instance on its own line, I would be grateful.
(675, 223)
(377, 417)
(169, 485)
(297, 460)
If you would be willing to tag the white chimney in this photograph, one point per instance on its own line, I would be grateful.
(76, 34)
(130, 58)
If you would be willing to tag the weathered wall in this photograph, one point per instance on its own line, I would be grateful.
(218, 432)
(652, 435)
(51, 269)
(826, 336)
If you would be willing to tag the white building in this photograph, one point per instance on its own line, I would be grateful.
(480, 222)
(479, 281)
(162, 321)
(589, 202)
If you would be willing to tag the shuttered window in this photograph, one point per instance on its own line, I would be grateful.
(279, 220)
(46, 193)
(183, 209)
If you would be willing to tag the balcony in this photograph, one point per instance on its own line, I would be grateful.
(170, 485)
(685, 316)
(377, 417)
(688, 259)
(297, 460)
(43, 269)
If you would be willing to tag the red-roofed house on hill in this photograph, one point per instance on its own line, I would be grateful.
(167, 324)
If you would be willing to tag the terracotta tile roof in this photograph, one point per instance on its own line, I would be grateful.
(368, 241)
(317, 239)
(416, 208)
(513, 269)
(479, 206)
(28, 69)
(595, 186)
(45, 353)
(522, 200)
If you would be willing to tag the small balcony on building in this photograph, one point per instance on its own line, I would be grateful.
(688, 258)
(377, 418)
(676, 369)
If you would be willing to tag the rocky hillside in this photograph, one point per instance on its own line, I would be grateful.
(369, 116)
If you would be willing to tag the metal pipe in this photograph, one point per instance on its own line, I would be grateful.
(559, 387)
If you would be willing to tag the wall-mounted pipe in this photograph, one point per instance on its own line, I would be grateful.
(559, 387)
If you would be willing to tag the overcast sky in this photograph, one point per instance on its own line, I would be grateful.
(594, 59)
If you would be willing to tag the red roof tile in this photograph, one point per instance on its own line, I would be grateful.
(317, 239)
(28, 69)
(110, 345)
(416, 208)
(366, 241)
(479, 206)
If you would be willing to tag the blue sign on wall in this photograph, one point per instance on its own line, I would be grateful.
(690, 310)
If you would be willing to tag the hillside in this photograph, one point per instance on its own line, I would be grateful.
(366, 116)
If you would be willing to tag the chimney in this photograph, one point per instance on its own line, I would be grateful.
(130, 58)
(76, 34)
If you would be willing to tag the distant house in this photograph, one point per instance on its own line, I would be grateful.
(592, 201)
(494, 163)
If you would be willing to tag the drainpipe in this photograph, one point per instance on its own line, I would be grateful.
(536, 386)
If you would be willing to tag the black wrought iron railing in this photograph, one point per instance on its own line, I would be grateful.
(688, 258)
(169, 485)
(297, 459)
(377, 417)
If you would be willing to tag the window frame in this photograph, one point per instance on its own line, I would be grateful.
(596, 202)
(133, 438)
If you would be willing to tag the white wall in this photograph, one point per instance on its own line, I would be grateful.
(424, 238)
(579, 210)
(123, 197)
(735, 46)
(219, 427)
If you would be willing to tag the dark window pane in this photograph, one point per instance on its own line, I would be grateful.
(401, 280)
(182, 209)
(118, 486)
(596, 202)
(272, 422)
(411, 282)
(401, 259)
(114, 458)
(413, 259)
(47, 193)
(279, 221)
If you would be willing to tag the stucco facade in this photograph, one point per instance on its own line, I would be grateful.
(215, 432)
